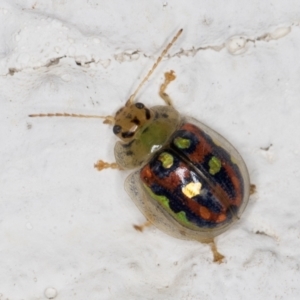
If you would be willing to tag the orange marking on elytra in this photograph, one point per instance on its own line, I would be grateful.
(221, 218)
(204, 212)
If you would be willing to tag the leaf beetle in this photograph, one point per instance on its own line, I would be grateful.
(189, 181)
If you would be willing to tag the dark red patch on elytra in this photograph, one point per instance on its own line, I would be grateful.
(171, 187)
(221, 194)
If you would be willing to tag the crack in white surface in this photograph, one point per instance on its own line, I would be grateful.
(238, 44)
(55, 61)
(235, 45)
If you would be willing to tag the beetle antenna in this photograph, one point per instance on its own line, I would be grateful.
(131, 99)
(107, 119)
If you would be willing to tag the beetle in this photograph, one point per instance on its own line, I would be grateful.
(189, 181)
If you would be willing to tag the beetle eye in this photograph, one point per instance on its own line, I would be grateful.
(139, 105)
(117, 129)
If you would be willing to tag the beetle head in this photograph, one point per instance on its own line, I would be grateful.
(130, 119)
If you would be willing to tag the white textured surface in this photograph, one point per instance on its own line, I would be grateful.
(65, 229)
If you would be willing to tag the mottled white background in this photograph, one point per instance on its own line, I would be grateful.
(65, 229)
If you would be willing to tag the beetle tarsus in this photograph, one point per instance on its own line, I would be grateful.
(218, 257)
(101, 165)
(142, 227)
(169, 76)
(252, 189)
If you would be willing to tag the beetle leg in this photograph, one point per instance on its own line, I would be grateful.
(101, 165)
(169, 76)
(143, 226)
(252, 189)
(218, 257)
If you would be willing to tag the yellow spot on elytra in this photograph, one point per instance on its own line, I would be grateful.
(192, 189)
(166, 159)
(233, 160)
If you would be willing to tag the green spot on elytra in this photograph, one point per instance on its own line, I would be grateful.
(181, 216)
(166, 159)
(182, 143)
(163, 200)
(214, 165)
